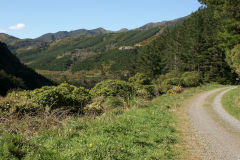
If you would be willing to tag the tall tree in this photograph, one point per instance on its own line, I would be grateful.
(191, 46)
(228, 13)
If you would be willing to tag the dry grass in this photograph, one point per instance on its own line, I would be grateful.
(32, 124)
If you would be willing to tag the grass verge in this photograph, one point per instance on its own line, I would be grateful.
(149, 132)
(231, 102)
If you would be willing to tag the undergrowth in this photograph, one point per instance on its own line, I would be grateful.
(143, 132)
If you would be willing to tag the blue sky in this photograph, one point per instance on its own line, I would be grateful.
(32, 18)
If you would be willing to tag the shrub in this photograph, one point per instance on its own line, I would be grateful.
(113, 88)
(188, 79)
(96, 107)
(167, 81)
(142, 86)
(175, 90)
(191, 79)
(164, 86)
(140, 78)
(18, 105)
(145, 91)
(174, 77)
(64, 95)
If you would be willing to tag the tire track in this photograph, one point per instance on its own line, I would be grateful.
(216, 140)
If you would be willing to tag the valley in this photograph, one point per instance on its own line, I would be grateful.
(164, 90)
(104, 52)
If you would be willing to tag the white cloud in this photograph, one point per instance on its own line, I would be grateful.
(19, 26)
(2, 31)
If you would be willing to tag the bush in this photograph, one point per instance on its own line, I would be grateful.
(191, 79)
(142, 86)
(113, 88)
(96, 107)
(100, 104)
(145, 91)
(168, 81)
(164, 86)
(175, 90)
(140, 78)
(18, 105)
(64, 95)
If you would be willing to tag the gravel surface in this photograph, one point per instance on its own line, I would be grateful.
(217, 132)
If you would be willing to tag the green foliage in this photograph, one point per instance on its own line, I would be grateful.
(115, 88)
(150, 60)
(191, 79)
(100, 105)
(193, 45)
(164, 86)
(64, 95)
(72, 50)
(227, 13)
(175, 90)
(142, 85)
(49, 97)
(165, 82)
(119, 134)
(109, 61)
(170, 80)
(140, 78)
(18, 105)
(233, 58)
(144, 93)
(95, 107)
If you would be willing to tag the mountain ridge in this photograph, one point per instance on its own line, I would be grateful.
(83, 32)
(71, 34)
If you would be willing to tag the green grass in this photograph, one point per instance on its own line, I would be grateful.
(148, 132)
(231, 103)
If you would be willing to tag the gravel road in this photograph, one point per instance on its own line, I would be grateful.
(217, 133)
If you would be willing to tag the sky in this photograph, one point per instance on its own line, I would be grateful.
(33, 18)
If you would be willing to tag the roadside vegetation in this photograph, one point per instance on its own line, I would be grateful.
(114, 120)
(231, 102)
(127, 109)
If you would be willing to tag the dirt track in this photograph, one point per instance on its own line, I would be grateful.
(217, 133)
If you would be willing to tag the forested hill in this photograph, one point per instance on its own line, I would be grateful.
(194, 45)
(101, 55)
(64, 34)
(14, 74)
(207, 41)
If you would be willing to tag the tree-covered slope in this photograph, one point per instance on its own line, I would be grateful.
(14, 74)
(7, 38)
(163, 23)
(62, 50)
(227, 12)
(193, 45)
(62, 54)
(76, 33)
